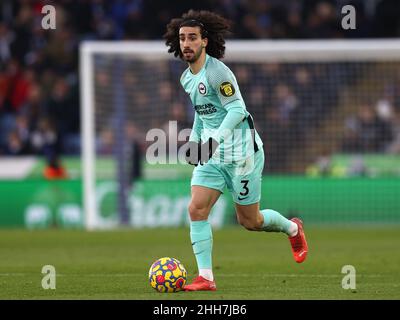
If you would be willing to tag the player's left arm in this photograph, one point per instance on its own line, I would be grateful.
(235, 114)
(226, 87)
(224, 83)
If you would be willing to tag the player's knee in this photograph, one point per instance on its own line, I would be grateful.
(198, 211)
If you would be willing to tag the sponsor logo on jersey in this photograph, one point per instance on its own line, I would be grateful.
(227, 89)
(202, 88)
(204, 109)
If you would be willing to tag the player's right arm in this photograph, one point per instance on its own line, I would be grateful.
(195, 135)
(194, 151)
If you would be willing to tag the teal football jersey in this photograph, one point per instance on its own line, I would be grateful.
(213, 91)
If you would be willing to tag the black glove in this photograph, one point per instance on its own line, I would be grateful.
(200, 153)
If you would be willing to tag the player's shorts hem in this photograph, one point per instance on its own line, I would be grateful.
(246, 203)
(206, 186)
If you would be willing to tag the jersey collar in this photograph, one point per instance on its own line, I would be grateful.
(202, 68)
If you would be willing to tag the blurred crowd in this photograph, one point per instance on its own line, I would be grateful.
(373, 129)
(39, 76)
(287, 100)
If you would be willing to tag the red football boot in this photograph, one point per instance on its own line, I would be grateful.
(201, 284)
(299, 242)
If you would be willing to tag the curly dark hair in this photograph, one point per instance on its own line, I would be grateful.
(212, 26)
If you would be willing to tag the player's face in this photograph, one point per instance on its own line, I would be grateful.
(191, 43)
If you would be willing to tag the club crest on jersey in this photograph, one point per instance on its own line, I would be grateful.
(202, 88)
(227, 89)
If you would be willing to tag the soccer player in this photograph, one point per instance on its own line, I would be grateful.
(221, 156)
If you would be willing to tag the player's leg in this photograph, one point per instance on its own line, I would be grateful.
(200, 206)
(247, 194)
(252, 218)
(202, 201)
(207, 185)
(269, 220)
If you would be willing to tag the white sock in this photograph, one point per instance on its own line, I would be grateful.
(206, 274)
(293, 229)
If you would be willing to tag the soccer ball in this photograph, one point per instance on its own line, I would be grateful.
(167, 275)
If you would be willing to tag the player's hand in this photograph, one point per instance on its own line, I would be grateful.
(200, 153)
(207, 150)
(193, 153)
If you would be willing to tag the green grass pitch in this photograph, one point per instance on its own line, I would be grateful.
(247, 265)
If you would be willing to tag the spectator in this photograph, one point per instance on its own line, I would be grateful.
(105, 142)
(45, 139)
(54, 169)
(394, 146)
(285, 102)
(322, 22)
(276, 137)
(6, 38)
(64, 112)
(15, 146)
(136, 150)
(366, 132)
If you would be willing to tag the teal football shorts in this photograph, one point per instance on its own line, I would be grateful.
(242, 178)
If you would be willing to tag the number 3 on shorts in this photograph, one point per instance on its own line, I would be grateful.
(246, 189)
